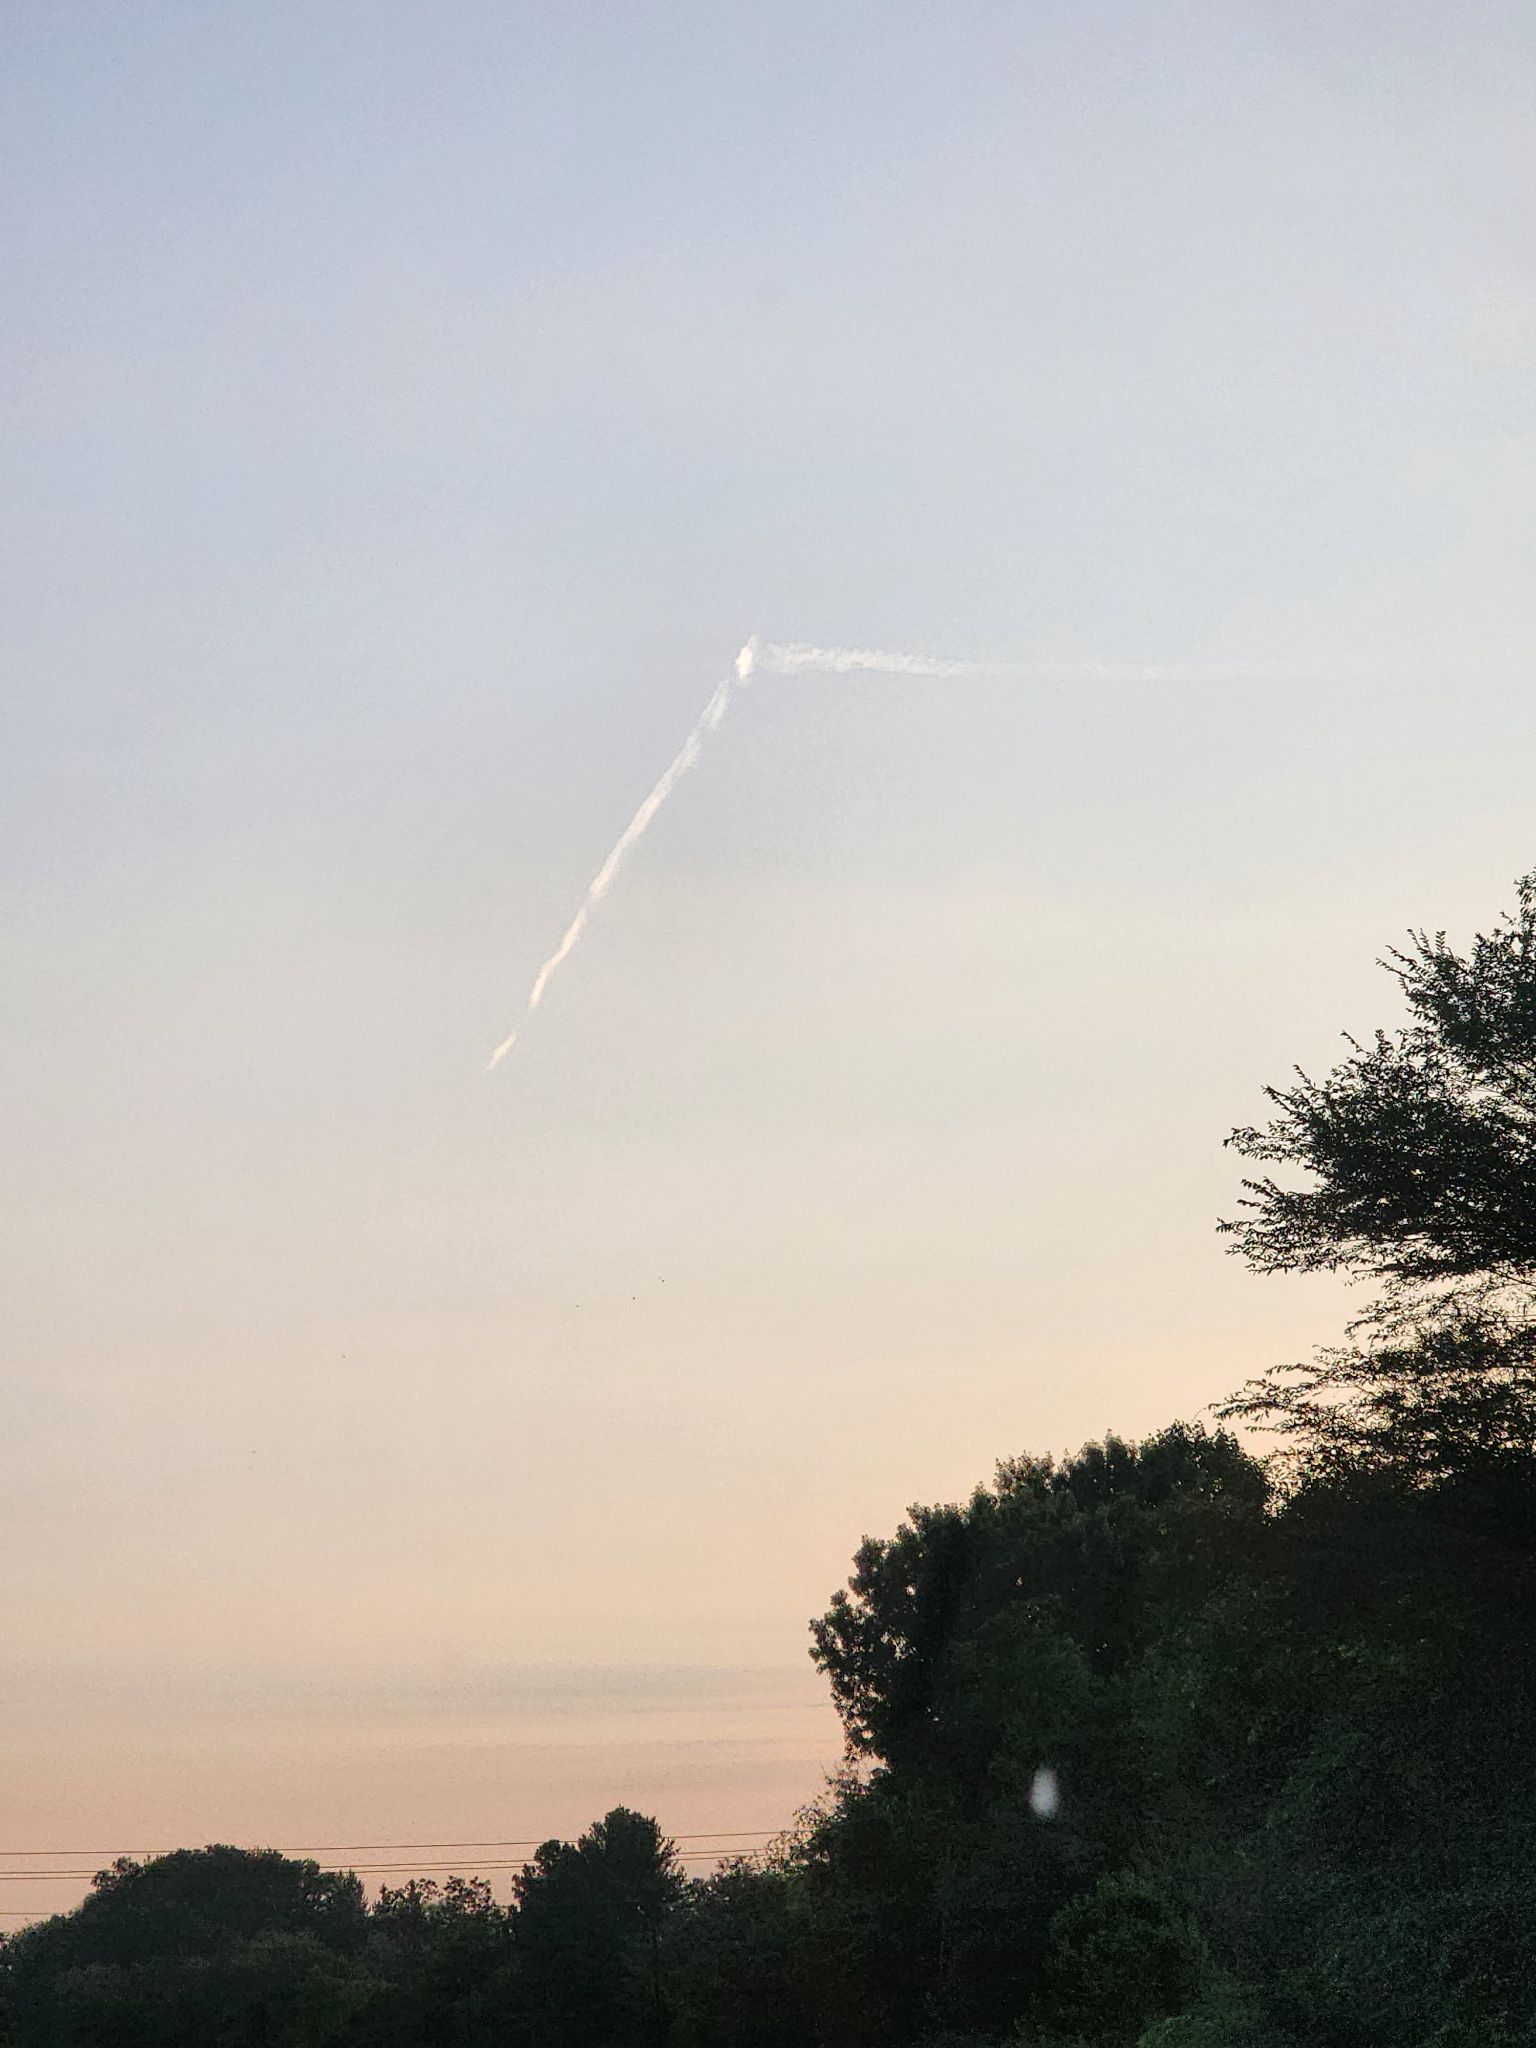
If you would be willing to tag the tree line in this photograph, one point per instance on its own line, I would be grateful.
(1163, 1745)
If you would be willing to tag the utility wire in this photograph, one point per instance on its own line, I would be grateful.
(371, 1848)
(725, 1854)
(725, 1850)
(366, 1869)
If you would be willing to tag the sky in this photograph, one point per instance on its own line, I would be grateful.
(410, 410)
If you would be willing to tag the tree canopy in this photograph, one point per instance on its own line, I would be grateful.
(1421, 1145)
(1421, 1153)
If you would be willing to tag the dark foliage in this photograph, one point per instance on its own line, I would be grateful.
(1421, 1146)
(589, 1925)
(1421, 1153)
(1292, 1804)
(216, 1944)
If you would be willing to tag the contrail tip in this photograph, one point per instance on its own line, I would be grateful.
(746, 661)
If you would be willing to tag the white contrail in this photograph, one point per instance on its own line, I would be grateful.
(800, 658)
(633, 832)
(797, 658)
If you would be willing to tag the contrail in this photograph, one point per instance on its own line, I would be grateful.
(628, 839)
(792, 658)
(800, 658)
(797, 658)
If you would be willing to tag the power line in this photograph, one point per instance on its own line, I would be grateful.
(724, 1854)
(374, 1848)
(366, 1869)
(726, 1849)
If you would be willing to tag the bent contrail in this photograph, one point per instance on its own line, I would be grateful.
(800, 658)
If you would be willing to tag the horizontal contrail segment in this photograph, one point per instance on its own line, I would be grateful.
(797, 658)
(628, 839)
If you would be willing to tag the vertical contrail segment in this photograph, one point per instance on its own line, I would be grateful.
(628, 839)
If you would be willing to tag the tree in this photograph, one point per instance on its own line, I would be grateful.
(1437, 1399)
(1119, 1957)
(1422, 1144)
(738, 1962)
(443, 1955)
(983, 1638)
(1421, 1154)
(217, 1944)
(589, 1926)
(201, 1902)
(1073, 1619)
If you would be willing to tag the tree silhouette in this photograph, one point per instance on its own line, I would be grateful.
(1422, 1144)
(1421, 1153)
(589, 1926)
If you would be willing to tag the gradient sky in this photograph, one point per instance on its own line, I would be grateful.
(410, 409)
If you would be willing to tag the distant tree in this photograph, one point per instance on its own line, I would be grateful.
(280, 1990)
(739, 1960)
(199, 1902)
(219, 1945)
(590, 1919)
(443, 1956)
